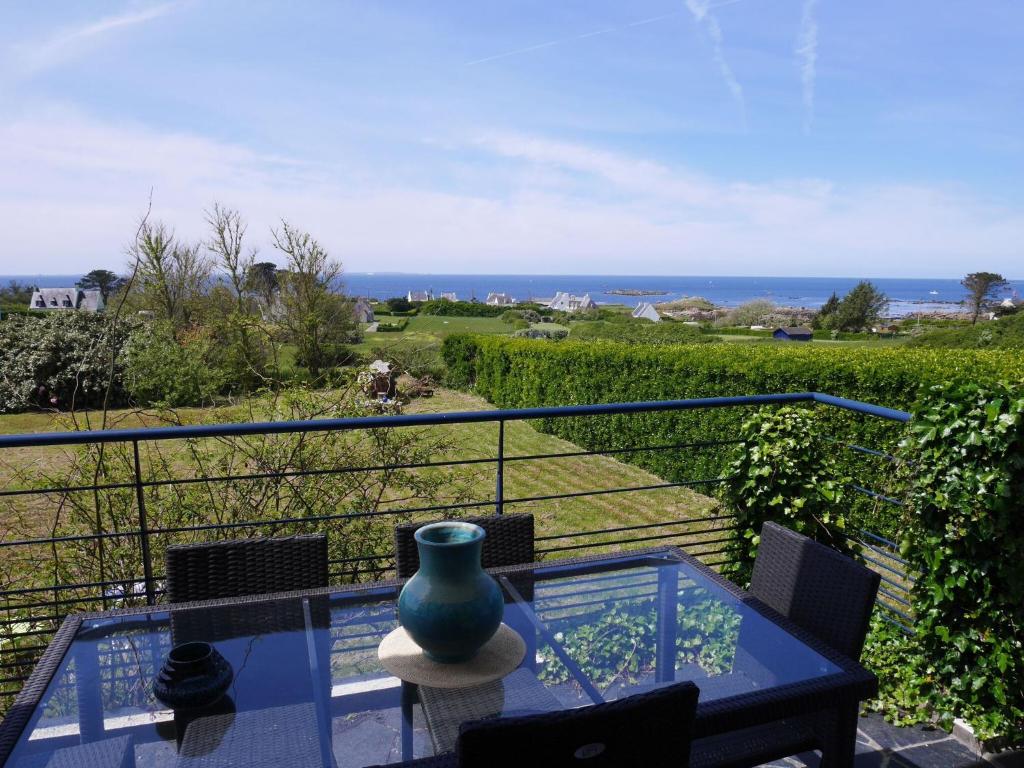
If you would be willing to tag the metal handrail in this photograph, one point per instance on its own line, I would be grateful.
(430, 419)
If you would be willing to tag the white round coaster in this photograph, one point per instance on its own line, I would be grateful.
(400, 656)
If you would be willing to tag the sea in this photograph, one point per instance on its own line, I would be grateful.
(906, 295)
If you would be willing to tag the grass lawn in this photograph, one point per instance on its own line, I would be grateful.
(577, 474)
(524, 479)
(442, 326)
(549, 327)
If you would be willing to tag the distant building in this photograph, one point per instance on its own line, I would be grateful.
(420, 296)
(793, 333)
(500, 300)
(646, 311)
(363, 311)
(449, 296)
(566, 302)
(90, 300)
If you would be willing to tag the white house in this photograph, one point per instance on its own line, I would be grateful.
(566, 302)
(449, 296)
(420, 296)
(646, 311)
(500, 300)
(90, 300)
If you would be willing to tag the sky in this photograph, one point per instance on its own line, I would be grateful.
(682, 137)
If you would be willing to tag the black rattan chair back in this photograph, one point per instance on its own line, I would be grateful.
(819, 589)
(509, 541)
(651, 729)
(245, 567)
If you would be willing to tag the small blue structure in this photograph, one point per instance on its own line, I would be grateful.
(792, 333)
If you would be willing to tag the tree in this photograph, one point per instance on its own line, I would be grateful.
(106, 281)
(261, 279)
(317, 319)
(827, 314)
(756, 312)
(17, 294)
(399, 304)
(982, 288)
(860, 308)
(170, 276)
(236, 322)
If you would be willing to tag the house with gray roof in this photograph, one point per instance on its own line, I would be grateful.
(90, 300)
(566, 302)
(419, 296)
(363, 311)
(646, 311)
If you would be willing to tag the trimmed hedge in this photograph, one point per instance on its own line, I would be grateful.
(515, 373)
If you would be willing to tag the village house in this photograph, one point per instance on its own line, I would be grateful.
(500, 300)
(90, 300)
(449, 296)
(420, 296)
(646, 311)
(363, 311)
(566, 302)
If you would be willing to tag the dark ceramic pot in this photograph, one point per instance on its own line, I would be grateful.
(450, 606)
(194, 675)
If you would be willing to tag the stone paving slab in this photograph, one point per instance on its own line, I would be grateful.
(881, 745)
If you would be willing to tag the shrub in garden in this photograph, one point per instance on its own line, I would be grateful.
(785, 473)
(965, 470)
(165, 368)
(514, 373)
(60, 360)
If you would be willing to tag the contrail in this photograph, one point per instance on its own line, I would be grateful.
(807, 51)
(595, 33)
(701, 15)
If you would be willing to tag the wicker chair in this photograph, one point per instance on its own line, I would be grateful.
(509, 541)
(826, 594)
(651, 729)
(820, 590)
(223, 569)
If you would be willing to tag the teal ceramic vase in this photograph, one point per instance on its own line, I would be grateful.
(450, 606)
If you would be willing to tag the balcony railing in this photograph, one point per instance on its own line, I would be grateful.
(30, 614)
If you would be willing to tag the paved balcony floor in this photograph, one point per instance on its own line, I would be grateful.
(881, 745)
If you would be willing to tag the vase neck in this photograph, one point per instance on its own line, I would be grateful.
(451, 560)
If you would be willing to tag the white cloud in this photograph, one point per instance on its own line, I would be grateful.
(701, 11)
(73, 187)
(65, 43)
(807, 52)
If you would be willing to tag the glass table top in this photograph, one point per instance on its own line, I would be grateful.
(308, 685)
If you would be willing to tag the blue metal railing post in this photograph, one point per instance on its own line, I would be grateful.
(499, 490)
(147, 557)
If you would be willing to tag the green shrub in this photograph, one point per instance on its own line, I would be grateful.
(520, 373)
(965, 469)
(783, 472)
(60, 360)
(639, 332)
(458, 352)
(476, 309)
(164, 369)
(396, 326)
(1004, 333)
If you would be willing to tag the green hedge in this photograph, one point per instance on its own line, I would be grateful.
(515, 373)
(396, 326)
(446, 308)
